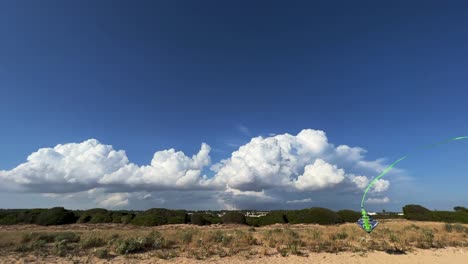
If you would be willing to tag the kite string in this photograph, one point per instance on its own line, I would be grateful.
(400, 159)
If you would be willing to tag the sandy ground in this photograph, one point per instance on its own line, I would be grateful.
(439, 256)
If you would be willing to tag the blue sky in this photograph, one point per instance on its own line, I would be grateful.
(151, 76)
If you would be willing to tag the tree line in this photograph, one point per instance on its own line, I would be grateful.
(161, 216)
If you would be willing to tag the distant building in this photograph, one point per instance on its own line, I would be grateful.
(255, 214)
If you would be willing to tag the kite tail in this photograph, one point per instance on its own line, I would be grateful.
(400, 159)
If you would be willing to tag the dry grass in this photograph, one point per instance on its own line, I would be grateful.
(166, 242)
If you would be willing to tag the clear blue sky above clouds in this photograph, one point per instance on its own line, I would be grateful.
(153, 75)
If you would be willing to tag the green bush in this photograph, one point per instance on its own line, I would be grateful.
(233, 218)
(117, 217)
(273, 217)
(101, 218)
(133, 245)
(127, 219)
(9, 219)
(198, 219)
(28, 216)
(95, 216)
(212, 218)
(68, 237)
(460, 209)
(349, 216)
(101, 253)
(92, 242)
(55, 216)
(20, 216)
(417, 212)
(252, 221)
(315, 215)
(450, 217)
(159, 216)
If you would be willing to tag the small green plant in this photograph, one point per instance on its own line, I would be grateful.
(448, 227)
(284, 252)
(460, 228)
(68, 237)
(394, 238)
(92, 242)
(61, 248)
(187, 236)
(341, 235)
(133, 245)
(102, 253)
(316, 234)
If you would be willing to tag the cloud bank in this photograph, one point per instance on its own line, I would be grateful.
(277, 170)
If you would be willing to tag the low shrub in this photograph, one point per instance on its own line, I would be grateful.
(92, 242)
(133, 245)
(68, 237)
(101, 253)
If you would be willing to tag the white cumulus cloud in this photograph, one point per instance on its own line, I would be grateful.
(268, 171)
(378, 200)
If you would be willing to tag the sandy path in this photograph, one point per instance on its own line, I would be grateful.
(439, 256)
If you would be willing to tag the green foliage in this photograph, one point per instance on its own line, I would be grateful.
(450, 217)
(133, 245)
(101, 253)
(159, 216)
(212, 218)
(149, 220)
(448, 227)
(315, 215)
(20, 216)
(460, 209)
(51, 237)
(204, 219)
(117, 216)
(233, 218)
(92, 242)
(417, 212)
(69, 237)
(341, 236)
(198, 219)
(9, 219)
(252, 221)
(55, 216)
(349, 216)
(127, 219)
(273, 217)
(95, 216)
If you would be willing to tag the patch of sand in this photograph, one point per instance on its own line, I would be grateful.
(439, 256)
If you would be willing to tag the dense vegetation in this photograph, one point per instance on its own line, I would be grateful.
(419, 213)
(159, 216)
(233, 218)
